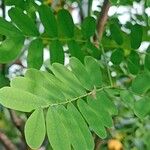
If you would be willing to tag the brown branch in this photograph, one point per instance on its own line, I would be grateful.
(7, 142)
(19, 124)
(102, 19)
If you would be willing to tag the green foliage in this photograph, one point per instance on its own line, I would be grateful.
(48, 19)
(33, 93)
(35, 54)
(136, 36)
(105, 84)
(88, 27)
(23, 22)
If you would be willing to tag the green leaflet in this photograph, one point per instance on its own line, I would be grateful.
(91, 66)
(4, 81)
(23, 22)
(104, 115)
(127, 98)
(35, 54)
(8, 29)
(136, 36)
(80, 72)
(65, 22)
(35, 129)
(141, 84)
(147, 61)
(92, 50)
(79, 135)
(35, 88)
(56, 130)
(83, 135)
(56, 52)
(105, 102)
(17, 3)
(67, 77)
(48, 20)
(142, 107)
(92, 117)
(10, 49)
(133, 62)
(88, 27)
(75, 50)
(44, 79)
(117, 56)
(22, 101)
(116, 34)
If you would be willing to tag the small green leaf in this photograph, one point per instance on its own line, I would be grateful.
(35, 54)
(92, 117)
(80, 72)
(10, 49)
(56, 130)
(48, 20)
(68, 78)
(24, 22)
(107, 103)
(36, 88)
(117, 56)
(88, 27)
(133, 62)
(75, 50)
(65, 22)
(8, 29)
(82, 132)
(116, 33)
(136, 36)
(141, 84)
(127, 98)
(4, 81)
(92, 66)
(142, 107)
(35, 129)
(56, 52)
(147, 61)
(104, 115)
(22, 101)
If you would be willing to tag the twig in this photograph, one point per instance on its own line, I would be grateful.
(7, 142)
(102, 19)
(19, 124)
(97, 39)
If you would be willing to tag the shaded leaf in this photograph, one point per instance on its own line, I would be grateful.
(48, 20)
(116, 33)
(35, 54)
(10, 49)
(22, 101)
(88, 27)
(8, 29)
(117, 56)
(23, 22)
(141, 84)
(65, 23)
(56, 52)
(75, 50)
(133, 62)
(136, 36)
(142, 107)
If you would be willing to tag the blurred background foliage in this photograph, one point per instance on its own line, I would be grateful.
(126, 41)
